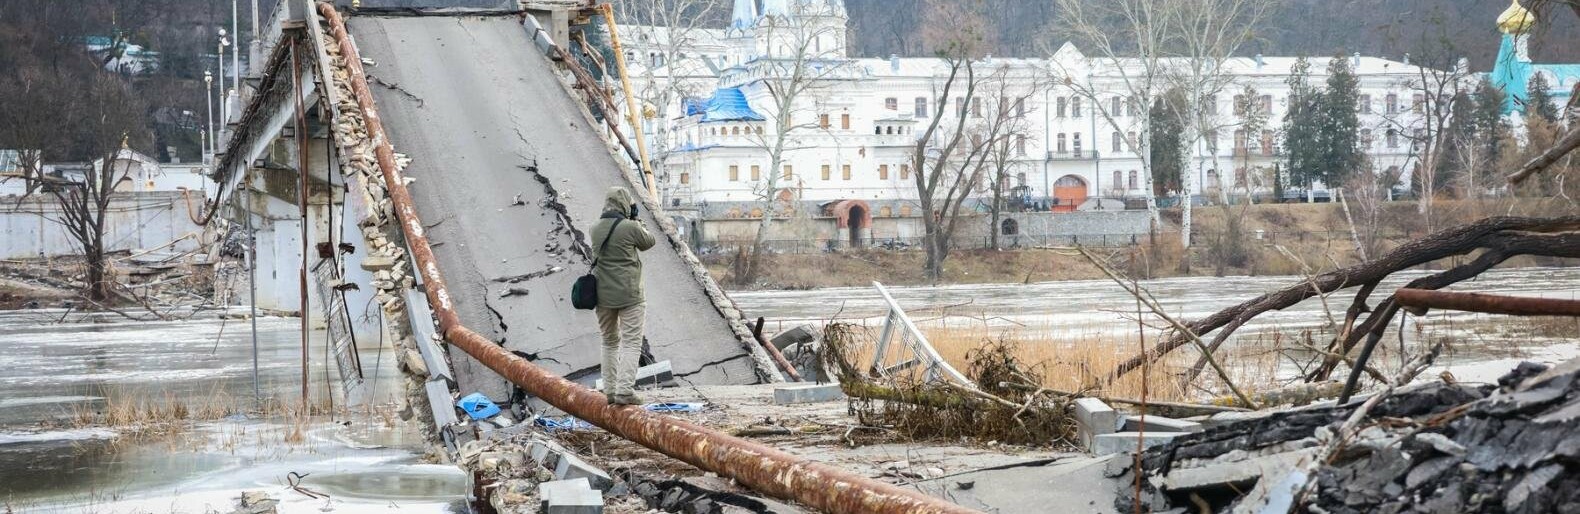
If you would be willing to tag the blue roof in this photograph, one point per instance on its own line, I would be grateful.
(727, 104)
(1514, 75)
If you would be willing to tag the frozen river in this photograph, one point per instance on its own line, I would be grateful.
(1099, 307)
(51, 371)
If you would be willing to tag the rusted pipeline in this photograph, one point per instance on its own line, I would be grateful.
(1487, 303)
(764, 469)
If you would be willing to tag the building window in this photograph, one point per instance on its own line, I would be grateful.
(826, 175)
(844, 171)
(886, 212)
(1075, 108)
(1416, 139)
(1119, 141)
(905, 172)
(1267, 104)
(1239, 141)
(1417, 103)
(789, 173)
(735, 173)
(1009, 227)
(1133, 183)
(759, 131)
(757, 173)
(976, 107)
(891, 103)
(1363, 104)
(1209, 105)
(960, 107)
(883, 172)
(921, 107)
(1060, 107)
(1020, 145)
(844, 122)
(1393, 138)
(1366, 139)
(1020, 107)
(1212, 141)
(822, 121)
(1113, 106)
(905, 210)
(1393, 103)
(1239, 105)
(1075, 142)
(737, 130)
(1117, 180)
(1062, 148)
(1267, 142)
(685, 178)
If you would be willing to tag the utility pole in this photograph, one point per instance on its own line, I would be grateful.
(235, 28)
(208, 140)
(224, 100)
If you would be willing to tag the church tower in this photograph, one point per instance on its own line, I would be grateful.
(1512, 71)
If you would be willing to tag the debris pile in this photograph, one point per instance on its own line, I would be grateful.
(1433, 447)
(1005, 403)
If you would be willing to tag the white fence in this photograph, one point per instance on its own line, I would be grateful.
(30, 228)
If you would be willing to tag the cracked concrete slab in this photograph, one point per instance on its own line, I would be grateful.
(505, 160)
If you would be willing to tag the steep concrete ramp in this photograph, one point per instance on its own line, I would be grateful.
(486, 122)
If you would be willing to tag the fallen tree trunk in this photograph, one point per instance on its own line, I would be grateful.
(1489, 233)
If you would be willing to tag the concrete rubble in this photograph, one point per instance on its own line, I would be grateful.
(1432, 447)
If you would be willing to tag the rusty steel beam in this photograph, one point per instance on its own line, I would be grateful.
(762, 468)
(1487, 303)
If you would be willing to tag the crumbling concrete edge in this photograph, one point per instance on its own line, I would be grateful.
(380, 230)
(762, 363)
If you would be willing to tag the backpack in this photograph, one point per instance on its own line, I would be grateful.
(584, 293)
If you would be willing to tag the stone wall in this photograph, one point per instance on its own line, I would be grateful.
(134, 221)
(807, 235)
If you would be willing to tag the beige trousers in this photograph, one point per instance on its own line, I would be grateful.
(622, 346)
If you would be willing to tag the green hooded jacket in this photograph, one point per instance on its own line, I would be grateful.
(619, 268)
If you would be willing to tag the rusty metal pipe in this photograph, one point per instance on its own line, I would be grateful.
(1487, 303)
(764, 469)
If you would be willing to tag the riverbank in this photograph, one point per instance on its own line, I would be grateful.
(1266, 240)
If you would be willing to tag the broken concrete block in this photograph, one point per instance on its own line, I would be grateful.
(1122, 442)
(796, 335)
(813, 393)
(1094, 418)
(377, 262)
(572, 467)
(581, 500)
(548, 492)
(1158, 424)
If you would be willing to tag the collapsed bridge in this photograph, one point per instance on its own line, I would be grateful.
(469, 238)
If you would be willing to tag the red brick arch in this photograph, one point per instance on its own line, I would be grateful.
(841, 212)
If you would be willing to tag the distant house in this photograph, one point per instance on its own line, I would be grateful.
(121, 56)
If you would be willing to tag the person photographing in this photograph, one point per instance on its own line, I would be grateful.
(621, 310)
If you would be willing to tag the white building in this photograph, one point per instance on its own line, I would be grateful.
(851, 158)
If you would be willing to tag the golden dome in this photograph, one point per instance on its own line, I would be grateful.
(1515, 19)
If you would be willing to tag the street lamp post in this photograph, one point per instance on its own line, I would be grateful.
(235, 60)
(208, 83)
(224, 101)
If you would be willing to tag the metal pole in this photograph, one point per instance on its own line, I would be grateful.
(235, 55)
(301, 193)
(252, 287)
(760, 467)
(630, 102)
(224, 99)
(208, 143)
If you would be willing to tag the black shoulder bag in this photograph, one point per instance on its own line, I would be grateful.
(584, 293)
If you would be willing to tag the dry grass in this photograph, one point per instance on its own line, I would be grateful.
(1076, 362)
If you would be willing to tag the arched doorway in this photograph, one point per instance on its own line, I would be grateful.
(858, 218)
(1069, 192)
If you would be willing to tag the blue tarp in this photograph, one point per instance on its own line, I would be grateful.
(728, 104)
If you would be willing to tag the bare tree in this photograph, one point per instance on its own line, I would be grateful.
(1008, 129)
(949, 159)
(109, 123)
(1129, 38)
(794, 77)
(1205, 34)
(667, 30)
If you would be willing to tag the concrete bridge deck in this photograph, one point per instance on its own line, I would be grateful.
(486, 122)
